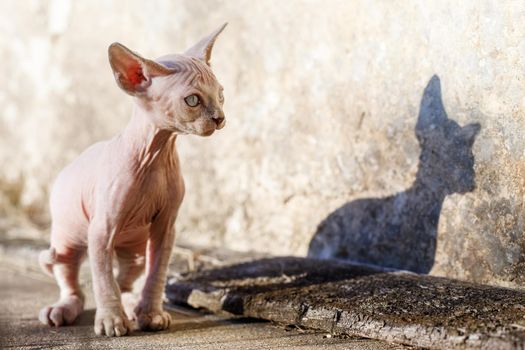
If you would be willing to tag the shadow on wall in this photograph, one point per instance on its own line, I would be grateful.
(400, 231)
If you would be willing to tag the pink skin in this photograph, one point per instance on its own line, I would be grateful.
(121, 196)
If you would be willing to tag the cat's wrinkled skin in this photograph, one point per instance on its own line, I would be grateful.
(120, 197)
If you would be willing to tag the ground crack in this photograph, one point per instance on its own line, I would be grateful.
(303, 309)
(335, 320)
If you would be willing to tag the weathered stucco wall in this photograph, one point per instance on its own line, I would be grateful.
(323, 108)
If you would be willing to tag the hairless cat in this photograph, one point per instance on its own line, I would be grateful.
(121, 196)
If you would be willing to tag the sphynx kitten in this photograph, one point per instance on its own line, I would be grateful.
(120, 197)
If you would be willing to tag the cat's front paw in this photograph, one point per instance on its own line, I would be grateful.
(111, 322)
(152, 320)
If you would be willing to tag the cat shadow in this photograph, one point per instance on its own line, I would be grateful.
(400, 231)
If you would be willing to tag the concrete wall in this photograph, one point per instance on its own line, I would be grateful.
(390, 111)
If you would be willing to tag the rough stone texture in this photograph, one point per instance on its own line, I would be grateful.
(339, 298)
(322, 104)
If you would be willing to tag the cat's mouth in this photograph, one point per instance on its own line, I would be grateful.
(208, 132)
(209, 127)
(218, 124)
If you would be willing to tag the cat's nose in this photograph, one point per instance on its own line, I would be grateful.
(218, 118)
(220, 123)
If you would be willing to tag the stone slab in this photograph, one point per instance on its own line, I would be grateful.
(341, 298)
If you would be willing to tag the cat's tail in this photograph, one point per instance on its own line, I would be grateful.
(47, 259)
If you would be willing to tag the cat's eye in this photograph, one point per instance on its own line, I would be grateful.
(221, 97)
(192, 100)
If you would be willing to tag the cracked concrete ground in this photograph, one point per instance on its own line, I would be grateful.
(23, 290)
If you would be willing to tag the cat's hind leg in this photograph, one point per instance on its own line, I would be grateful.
(64, 265)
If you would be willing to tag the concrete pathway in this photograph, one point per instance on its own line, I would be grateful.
(23, 291)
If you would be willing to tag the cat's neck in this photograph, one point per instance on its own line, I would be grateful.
(146, 142)
(426, 195)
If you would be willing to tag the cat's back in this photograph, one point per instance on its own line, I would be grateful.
(352, 225)
(83, 166)
(74, 184)
(354, 215)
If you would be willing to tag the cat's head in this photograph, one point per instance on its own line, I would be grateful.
(446, 147)
(179, 92)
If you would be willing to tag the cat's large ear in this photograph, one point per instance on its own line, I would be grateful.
(431, 110)
(132, 72)
(202, 50)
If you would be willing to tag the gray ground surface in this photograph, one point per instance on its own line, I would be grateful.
(338, 299)
(23, 290)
